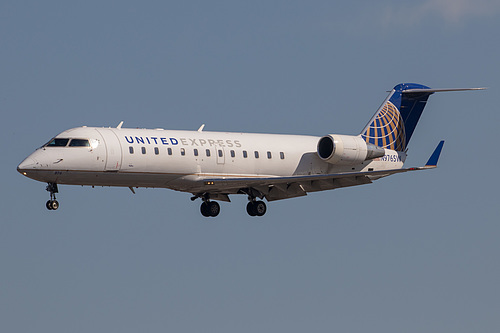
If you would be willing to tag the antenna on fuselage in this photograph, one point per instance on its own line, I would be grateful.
(201, 128)
(120, 125)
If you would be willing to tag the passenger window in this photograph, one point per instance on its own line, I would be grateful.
(220, 153)
(79, 143)
(282, 155)
(256, 153)
(169, 151)
(157, 151)
(207, 152)
(232, 153)
(195, 152)
(131, 150)
(57, 143)
(143, 149)
(183, 152)
(269, 154)
(245, 155)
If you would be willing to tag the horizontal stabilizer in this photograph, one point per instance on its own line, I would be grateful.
(433, 160)
(431, 91)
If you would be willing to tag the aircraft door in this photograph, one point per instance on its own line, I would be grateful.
(220, 153)
(113, 149)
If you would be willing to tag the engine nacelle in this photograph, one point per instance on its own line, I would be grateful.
(346, 149)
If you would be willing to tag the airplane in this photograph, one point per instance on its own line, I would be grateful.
(213, 165)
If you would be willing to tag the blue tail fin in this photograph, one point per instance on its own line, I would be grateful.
(394, 122)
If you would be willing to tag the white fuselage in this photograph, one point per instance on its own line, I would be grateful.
(180, 159)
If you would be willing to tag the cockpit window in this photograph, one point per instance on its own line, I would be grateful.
(79, 143)
(57, 143)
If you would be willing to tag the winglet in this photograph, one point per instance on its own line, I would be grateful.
(201, 128)
(120, 125)
(433, 160)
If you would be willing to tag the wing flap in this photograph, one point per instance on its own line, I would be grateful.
(279, 192)
(277, 188)
(302, 179)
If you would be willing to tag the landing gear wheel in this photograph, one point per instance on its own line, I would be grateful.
(250, 209)
(256, 208)
(210, 209)
(214, 208)
(204, 209)
(260, 208)
(52, 204)
(55, 204)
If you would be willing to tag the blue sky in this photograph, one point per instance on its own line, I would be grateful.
(410, 253)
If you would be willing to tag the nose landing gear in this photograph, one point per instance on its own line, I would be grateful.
(52, 204)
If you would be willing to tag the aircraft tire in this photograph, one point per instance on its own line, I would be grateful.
(214, 208)
(251, 209)
(52, 204)
(55, 204)
(259, 208)
(204, 209)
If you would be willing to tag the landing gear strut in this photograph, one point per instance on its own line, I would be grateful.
(256, 208)
(52, 204)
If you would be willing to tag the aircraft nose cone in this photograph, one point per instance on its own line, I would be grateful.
(28, 164)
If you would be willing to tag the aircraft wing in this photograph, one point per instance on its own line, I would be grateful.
(276, 188)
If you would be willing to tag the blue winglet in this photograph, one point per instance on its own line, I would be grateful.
(433, 160)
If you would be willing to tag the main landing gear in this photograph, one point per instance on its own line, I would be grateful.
(210, 208)
(256, 208)
(52, 204)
